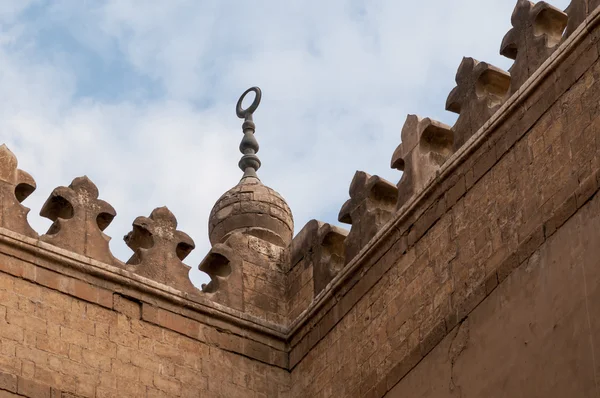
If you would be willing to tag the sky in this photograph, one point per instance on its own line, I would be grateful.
(139, 95)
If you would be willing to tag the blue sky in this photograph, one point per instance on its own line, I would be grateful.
(140, 95)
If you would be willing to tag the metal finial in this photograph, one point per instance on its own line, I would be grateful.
(249, 163)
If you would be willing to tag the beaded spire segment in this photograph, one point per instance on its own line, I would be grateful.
(250, 207)
(249, 163)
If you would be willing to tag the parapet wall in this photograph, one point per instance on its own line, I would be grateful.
(93, 330)
(444, 265)
(509, 190)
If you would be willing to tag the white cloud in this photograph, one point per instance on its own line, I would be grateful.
(338, 79)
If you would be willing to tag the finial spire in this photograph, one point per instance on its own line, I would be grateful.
(249, 163)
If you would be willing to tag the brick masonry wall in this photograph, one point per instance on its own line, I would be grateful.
(55, 344)
(484, 268)
(536, 335)
(485, 220)
(264, 282)
(300, 288)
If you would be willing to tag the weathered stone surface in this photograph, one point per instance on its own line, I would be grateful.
(537, 31)
(159, 249)
(504, 342)
(254, 209)
(263, 276)
(372, 202)
(322, 245)
(60, 343)
(426, 144)
(15, 186)
(462, 296)
(481, 260)
(330, 255)
(79, 218)
(481, 89)
(578, 11)
(224, 267)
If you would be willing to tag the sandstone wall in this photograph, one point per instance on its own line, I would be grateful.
(493, 225)
(79, 336)
(536, 335)
(474, 276)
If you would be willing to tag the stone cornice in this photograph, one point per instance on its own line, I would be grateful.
(85, 265)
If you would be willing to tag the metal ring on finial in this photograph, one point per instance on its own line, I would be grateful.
(249, 163)
(244, 113)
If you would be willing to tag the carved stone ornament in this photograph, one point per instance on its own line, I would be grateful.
(15, 186)
(79, 218)
(322, 245)
(481, 89)
(537, 31)
(426, 145)
(372, 203)
(224, 267)
(159, 249)
(578, 11)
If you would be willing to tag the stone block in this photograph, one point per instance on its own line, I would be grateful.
(372, 203)
(537, 31)
(79, 218)
(480, 91)
(159, 250)
(426, 144)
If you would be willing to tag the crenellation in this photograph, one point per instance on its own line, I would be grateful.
(320, 247)
(578, 11)
(15, 186)
(330, 255)
(372, 203)
(537, 31)
(248, 272)
(426, 145)
(427, 268)
(79, 218)
(480, 91)
(159, 250)
(224, 267)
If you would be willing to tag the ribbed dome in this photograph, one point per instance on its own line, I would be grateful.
(254, 209)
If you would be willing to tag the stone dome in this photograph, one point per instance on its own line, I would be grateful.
(254, 209)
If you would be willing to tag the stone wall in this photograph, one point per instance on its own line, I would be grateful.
(473, 276)
(535, 335)
(64, 336)
(501, 209)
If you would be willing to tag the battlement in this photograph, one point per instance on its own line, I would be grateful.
(328, 312)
